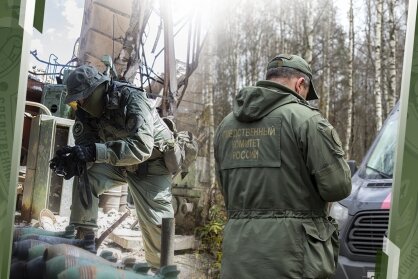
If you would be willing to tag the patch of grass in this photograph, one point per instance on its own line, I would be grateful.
(211, 236)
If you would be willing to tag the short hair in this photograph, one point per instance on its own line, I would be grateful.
(286, 72)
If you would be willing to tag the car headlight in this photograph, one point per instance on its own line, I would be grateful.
(339, 213)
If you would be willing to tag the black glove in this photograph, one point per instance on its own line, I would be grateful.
(86, 153)
(65, 164)
(68, 160)
(71, 161)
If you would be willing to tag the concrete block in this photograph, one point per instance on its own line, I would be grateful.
(126, 238)
(185, 242)
(124, 7)
(130, 239)
(99, 44)
(108, 22)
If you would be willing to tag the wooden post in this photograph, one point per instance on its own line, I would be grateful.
(167, 242)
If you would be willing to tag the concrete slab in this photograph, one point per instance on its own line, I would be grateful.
(185, 242)
(130, 239)
(126, 238)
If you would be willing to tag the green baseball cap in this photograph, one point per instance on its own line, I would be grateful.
(297, 63)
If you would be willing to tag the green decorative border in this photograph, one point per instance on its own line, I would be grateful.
(400, 260)
(14, 40)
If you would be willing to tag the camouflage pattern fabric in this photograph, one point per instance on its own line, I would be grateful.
(126, 136)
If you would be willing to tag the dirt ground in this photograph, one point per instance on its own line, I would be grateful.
(192, 264)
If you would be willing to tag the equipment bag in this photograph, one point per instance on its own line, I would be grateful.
(183, 152)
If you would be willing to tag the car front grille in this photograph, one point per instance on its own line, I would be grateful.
(367, 230)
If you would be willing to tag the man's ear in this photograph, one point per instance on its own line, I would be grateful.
(298, 85)
(301, 82)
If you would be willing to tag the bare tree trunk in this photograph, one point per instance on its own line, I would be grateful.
(323, 83)
(309, 31)
(392, 58)
(282, 28)
(327, 64)
(211, 138)
(369, 96)
(378, 66)
(350, 83)
(208, 92)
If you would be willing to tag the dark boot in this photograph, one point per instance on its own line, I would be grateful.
(82, 232)
(88, 235)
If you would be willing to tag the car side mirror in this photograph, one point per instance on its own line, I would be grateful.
(353, 166)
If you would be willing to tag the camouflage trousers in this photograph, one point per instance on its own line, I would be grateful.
(151, 193)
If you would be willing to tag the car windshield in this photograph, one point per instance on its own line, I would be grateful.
(382, 159)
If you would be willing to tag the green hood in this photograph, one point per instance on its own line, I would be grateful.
(255, 102)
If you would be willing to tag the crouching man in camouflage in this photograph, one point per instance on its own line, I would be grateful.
(122, 138)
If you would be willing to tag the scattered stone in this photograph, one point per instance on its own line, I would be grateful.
(128, 246)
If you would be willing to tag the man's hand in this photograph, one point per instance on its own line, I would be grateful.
(66, 165)
(86, 153)
(68, 159)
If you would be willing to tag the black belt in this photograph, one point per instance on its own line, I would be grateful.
(274, 213)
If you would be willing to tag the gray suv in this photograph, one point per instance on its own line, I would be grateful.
(363, 217)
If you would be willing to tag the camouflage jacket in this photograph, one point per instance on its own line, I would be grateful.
(129, 132)
(279, 163)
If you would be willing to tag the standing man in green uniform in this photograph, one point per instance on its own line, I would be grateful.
(122, 138)
(279, 163)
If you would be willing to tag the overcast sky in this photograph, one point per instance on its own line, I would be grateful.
(62, 24)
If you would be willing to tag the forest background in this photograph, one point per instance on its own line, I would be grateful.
(356, 53)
